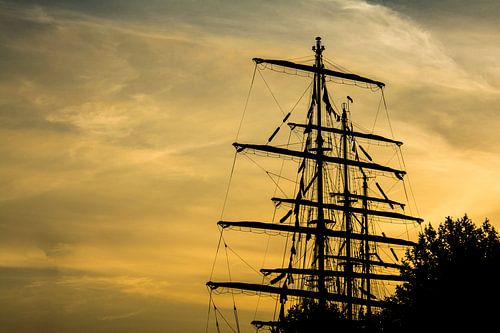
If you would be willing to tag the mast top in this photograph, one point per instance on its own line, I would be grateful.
(318, 67)
(318, 48)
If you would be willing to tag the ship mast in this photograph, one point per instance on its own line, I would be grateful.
(366, 245)
(320, 226)
(347, 215)
(348, 234)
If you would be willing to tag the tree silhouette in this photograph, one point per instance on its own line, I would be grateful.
(453, 285)
(454, 281)
(308, 317)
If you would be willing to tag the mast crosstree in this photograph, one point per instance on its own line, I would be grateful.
(343, 216)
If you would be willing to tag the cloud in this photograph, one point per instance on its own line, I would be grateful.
(444, 10)
(116, 124)
(120, 316)
(47, 299)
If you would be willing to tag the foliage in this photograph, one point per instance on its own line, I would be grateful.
(307, 317)
(453, 284)
(453, 281)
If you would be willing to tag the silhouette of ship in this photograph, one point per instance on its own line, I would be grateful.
(334, 255)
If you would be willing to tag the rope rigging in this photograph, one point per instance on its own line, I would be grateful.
(304, 250)
(246, 103)
(235, 312)
(290, 71)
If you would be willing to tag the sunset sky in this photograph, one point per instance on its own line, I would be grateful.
(116, 124)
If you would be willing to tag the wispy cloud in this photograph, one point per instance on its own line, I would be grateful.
(117, 117)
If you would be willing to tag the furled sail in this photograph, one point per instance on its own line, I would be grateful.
(335, 252)
(319, 70)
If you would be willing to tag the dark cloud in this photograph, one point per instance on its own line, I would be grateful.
(15, 116)
(45, 299)
(91, 7)
(442, 11)
(225, 14)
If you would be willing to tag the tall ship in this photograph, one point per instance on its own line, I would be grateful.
(341, 217)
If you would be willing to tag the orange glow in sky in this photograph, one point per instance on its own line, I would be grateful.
(116, 124)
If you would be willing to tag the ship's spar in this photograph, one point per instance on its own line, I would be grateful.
(318, 227)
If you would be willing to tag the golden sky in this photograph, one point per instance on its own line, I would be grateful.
(116, 124)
